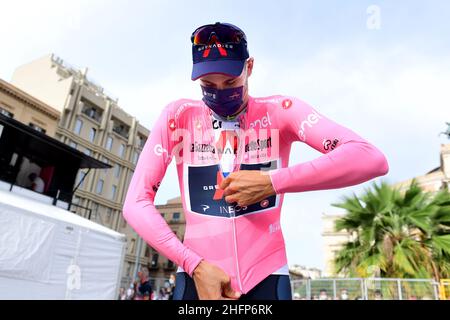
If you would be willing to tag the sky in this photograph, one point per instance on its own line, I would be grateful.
(380, 68)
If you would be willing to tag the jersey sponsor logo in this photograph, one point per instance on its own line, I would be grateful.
(205, 147)
(286, 104)
(202, 147)
(264, 122)
(159, 150)
(172, 125)
(156, 187)
(258, 145)
(268, 100)
(310, 121)
(328, 144)
(219, 124)
(274, 227)
(204, 195)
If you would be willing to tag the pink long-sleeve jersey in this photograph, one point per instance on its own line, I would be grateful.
(246, 242)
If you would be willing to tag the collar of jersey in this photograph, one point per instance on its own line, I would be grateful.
(233, 118)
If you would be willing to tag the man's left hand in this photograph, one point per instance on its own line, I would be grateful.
(247, 187)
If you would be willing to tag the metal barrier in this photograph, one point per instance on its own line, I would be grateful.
(367, 289)
(444, 292)
(354, 288)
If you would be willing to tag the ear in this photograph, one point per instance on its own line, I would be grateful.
(250, 62)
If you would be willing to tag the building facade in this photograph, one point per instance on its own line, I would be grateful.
(92, 122)
(21, 106)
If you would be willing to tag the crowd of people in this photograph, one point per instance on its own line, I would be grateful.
(142, 289)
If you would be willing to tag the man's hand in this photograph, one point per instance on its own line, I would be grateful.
(212, 283)
(247, 187)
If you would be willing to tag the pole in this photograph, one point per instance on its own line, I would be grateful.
(138, 255)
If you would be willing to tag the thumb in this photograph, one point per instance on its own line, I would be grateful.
(229, 292)
(225, 183)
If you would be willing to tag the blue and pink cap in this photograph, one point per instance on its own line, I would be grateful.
(218, 48)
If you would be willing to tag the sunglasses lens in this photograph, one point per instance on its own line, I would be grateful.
(224, 34)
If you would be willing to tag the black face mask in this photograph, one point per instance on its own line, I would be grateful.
(224, 102)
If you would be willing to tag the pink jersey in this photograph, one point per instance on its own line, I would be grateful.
(246, 242)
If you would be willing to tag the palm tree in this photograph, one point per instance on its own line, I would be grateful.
(399, 235)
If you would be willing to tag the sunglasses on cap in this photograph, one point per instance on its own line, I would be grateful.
(224, 32)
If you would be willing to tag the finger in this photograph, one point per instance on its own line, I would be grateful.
(233, 198)
(225, 183)
(230, 190)
(229, 292)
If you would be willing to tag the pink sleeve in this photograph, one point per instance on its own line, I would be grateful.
(139, 209)
(347, 158)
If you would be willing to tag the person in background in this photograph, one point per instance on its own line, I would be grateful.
(130, 292)
(171, 286)
(344, 294)
(37, 184)
(323, 295)
(144, 289)
(378, 295)
(122, 294)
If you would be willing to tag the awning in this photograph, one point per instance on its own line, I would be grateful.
(40, 146)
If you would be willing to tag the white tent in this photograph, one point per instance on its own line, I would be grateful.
(47, 252)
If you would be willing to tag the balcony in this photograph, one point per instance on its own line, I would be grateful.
(154, 266)
(92, 112)
(140, 143)
(169, 266)
(120, 129)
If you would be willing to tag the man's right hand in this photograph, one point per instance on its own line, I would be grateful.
(212, 283)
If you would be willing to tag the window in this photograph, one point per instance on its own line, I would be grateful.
(109, 143)
(81, 177)
(117, 171)
(135, 157)
(94, 213)
(154, 262)
(78, 126)
(113, 192)
(141, 142)
(129, 265)
(121, 150)
(75, 200)
(92, 135)
(73, 144)
(132, 246)
(6, 113)
(176, 216)
(147, 252)
(100, 186)
(124, 222)
(37, 128)
(108, 215)
(87, 152)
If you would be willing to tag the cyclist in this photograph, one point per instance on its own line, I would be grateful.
(232, 152)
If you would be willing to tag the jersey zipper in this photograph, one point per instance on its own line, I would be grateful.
(238, 273)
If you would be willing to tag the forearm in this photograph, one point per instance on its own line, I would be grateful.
(148, 223)
(351, 163)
